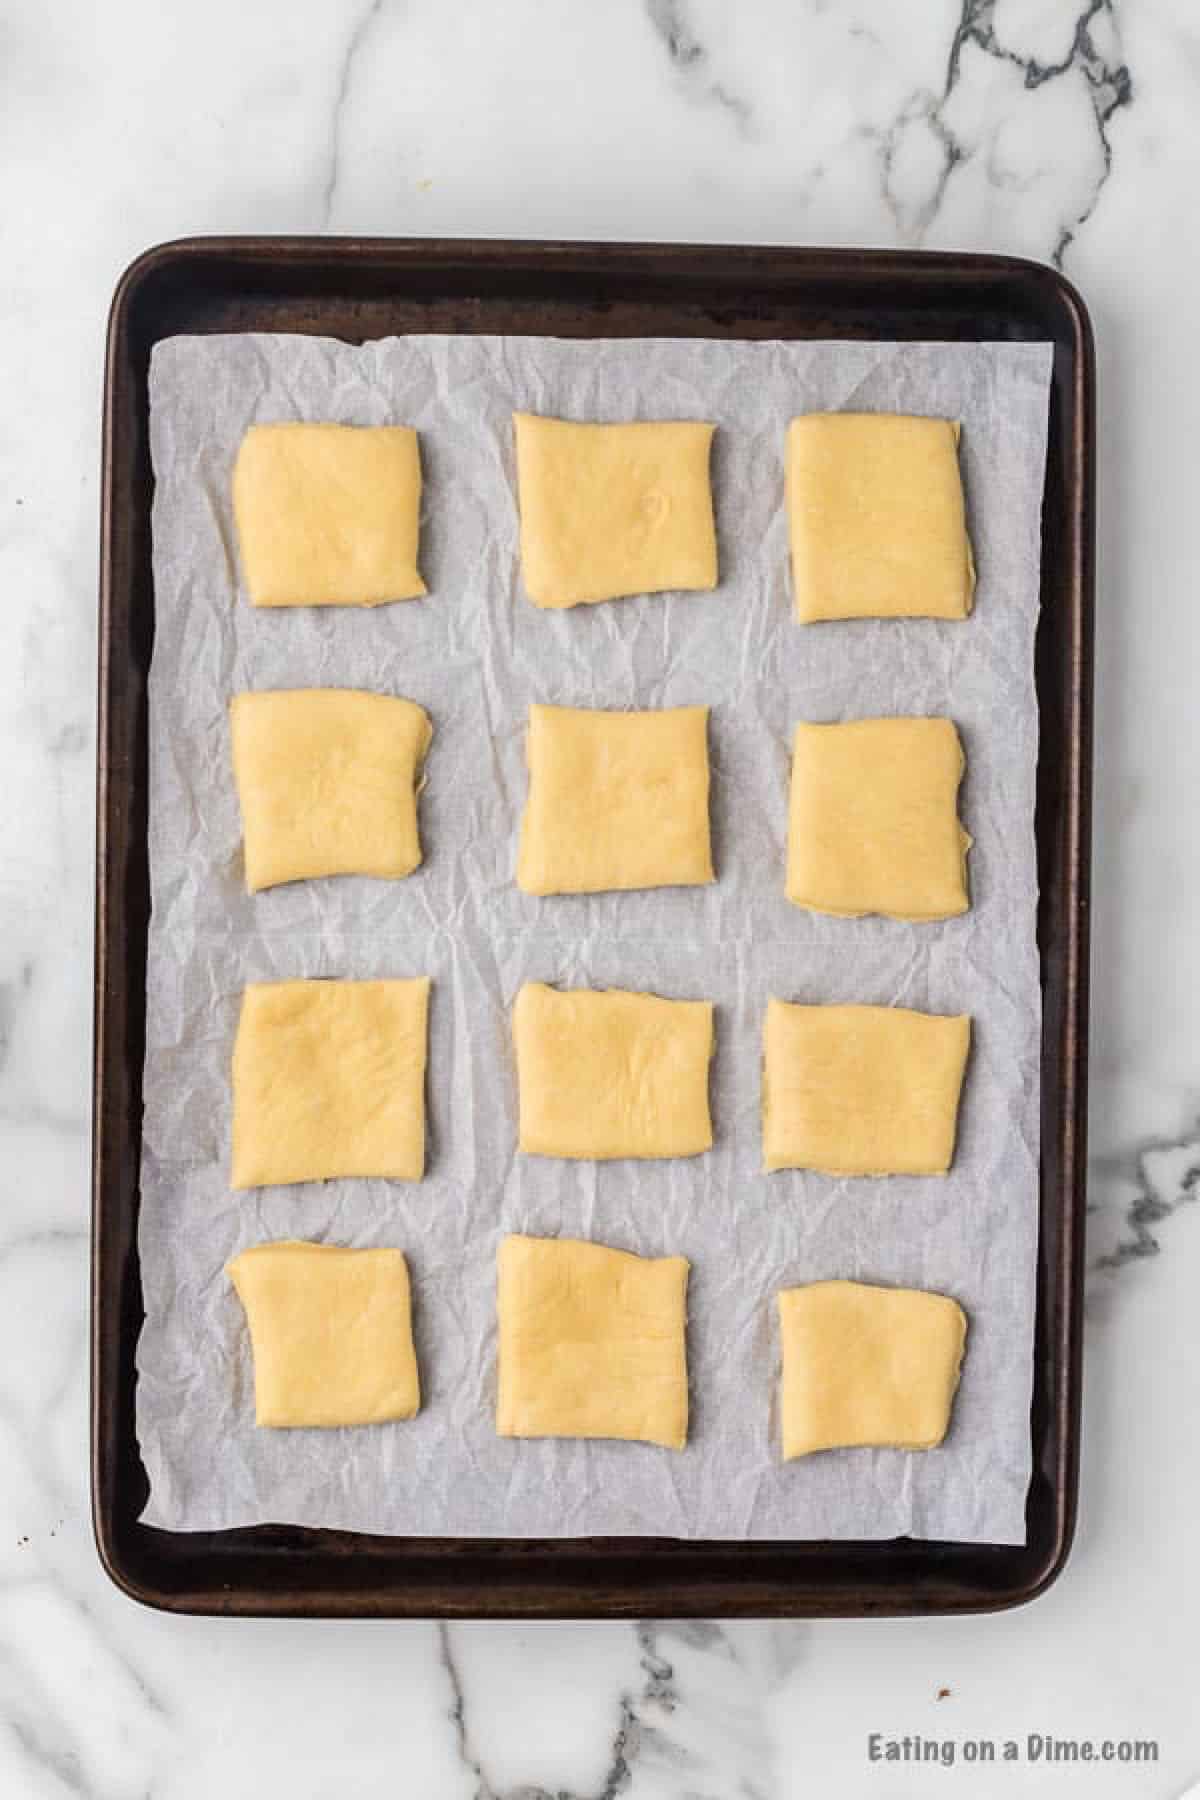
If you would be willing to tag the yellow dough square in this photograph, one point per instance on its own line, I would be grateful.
(329, 1080)
(606, 1074)
(591, 1342)
(331, 1333)
(616, 800)
(327, 515)
(873, 824)
(867, 1365)
(327, 779)
(878, 522)
(861, 1090)
(611, 510)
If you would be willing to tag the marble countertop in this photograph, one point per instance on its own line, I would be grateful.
(1029, 126)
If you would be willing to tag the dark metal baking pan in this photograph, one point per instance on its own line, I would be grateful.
(364, 288)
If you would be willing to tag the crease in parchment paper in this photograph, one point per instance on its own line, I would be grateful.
(475, 653)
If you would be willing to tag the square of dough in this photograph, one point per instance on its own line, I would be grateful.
(867, 1365)
(327, 515)
(616, 800)
(331, 1333)
(327, 782)
(861, 1090)
(329, 1080)
(605, 1073)
(591, 1342)
(878, 523)
(873, 825)
(611, 510)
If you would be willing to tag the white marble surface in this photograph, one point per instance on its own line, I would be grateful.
(1022, 125)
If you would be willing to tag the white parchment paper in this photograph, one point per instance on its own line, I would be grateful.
(475, 653)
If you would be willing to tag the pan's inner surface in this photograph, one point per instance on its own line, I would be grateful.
(357, 291)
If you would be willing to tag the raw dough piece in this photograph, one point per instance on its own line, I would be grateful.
(616, 800)
(867, 1365)
(873, 822)
(610, 510)
(327, 779)
(327, 515)
(607, 1073)
(331, 1333)
(861, 1090)
(878, 525)
(329, 1079)
(591, 1342)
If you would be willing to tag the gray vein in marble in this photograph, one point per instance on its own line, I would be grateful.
(35, 1720)
(89, 1617)
(9, 1001)
(44, 1237)
(1107, 77)
(350, 56)
(659, 1673)
(1159, 1193)
(691, 63)
(145, 1690)
(640, 1742)
(726, 1715)
(625, 1744)
(58, 1760)
(924, 107)
(627, 1739)
(458, 1713)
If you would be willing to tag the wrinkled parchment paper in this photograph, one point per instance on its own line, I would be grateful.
(475, 653)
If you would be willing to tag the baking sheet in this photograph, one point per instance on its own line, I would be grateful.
(475, 653)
